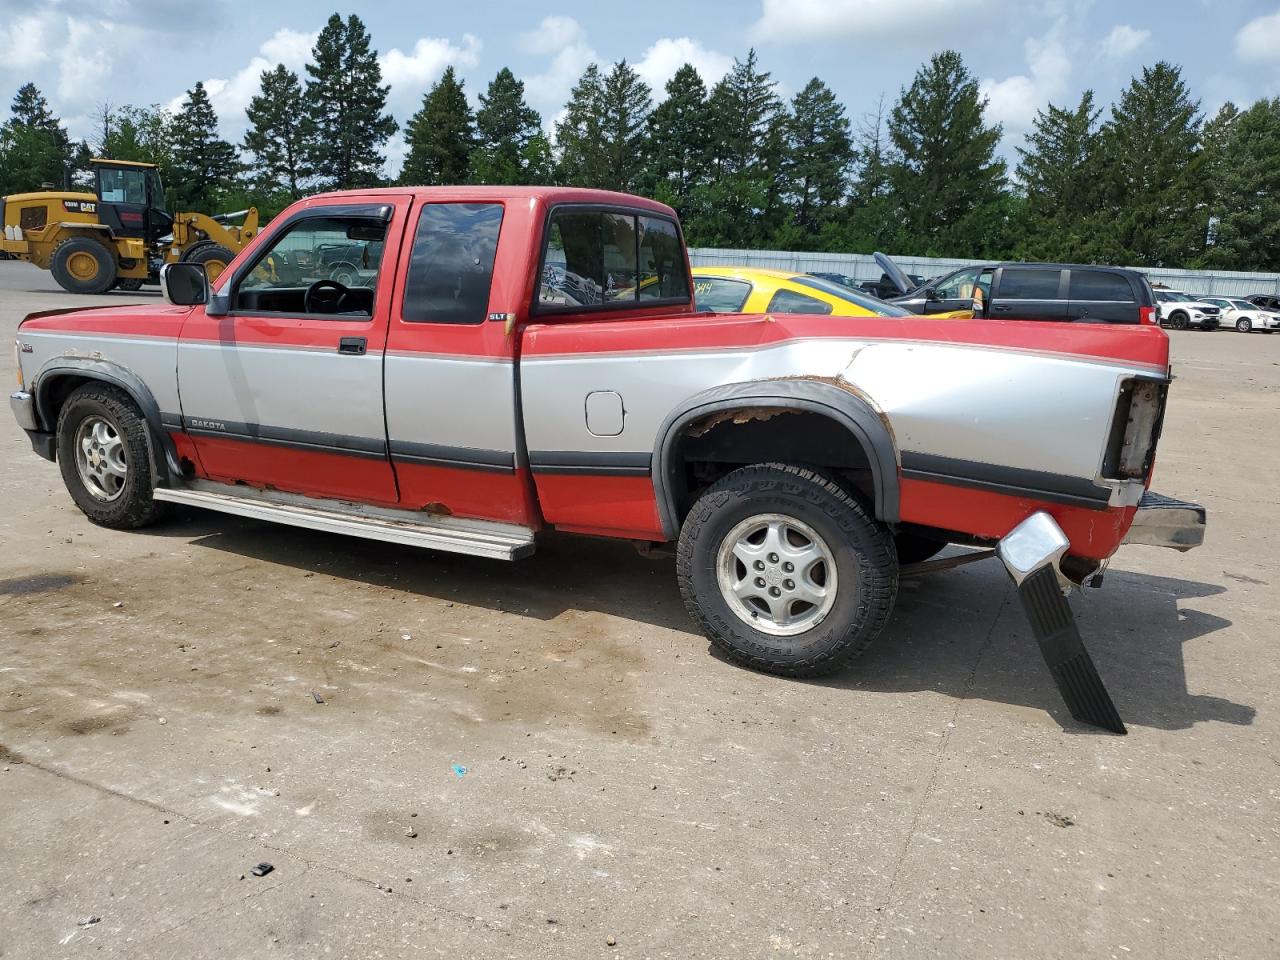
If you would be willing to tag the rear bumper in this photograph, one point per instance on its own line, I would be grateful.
(1162, 521)
(18, 248)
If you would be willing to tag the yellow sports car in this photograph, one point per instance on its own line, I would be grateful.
(757, 290)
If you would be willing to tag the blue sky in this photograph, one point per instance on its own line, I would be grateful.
(1026, 52)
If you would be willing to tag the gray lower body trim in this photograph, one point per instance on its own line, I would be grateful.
(1014, 481)
(593, 463)
(463, 458)
(372, 447)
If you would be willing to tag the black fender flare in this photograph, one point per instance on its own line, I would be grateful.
(841, 404)
(91, 368)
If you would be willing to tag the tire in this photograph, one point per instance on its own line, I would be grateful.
(82, 265)
(345, 273)
(129, 284)
(215, 258)
(1244, 325)
(124, 437)
(1179, 321)
(913, 548)
(860, 561)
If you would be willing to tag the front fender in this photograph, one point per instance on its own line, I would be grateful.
(839, 403)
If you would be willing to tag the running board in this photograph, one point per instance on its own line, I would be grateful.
(497, 541)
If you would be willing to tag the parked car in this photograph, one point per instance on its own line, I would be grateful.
(1181, 311)
(464, 401)
(838, 278)
(1244, 316)
(1032, 291)
(1265, 301)
(758, 290)
(886, 289)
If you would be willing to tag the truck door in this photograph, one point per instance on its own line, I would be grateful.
(451, 390)
(280, 375)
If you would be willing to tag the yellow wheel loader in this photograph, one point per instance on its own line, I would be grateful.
(119, 236)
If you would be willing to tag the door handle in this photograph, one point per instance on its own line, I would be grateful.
(356, 346)
(1002, 308)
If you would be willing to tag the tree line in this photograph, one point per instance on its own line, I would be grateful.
(1147, 182)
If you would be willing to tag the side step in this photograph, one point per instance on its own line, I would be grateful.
(498, 541)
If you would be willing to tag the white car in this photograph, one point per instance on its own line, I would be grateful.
(1181, 310)
(1244, 316)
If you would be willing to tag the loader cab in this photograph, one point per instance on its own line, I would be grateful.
(131, 199)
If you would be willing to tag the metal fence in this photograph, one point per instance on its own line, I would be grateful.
(1221, 283)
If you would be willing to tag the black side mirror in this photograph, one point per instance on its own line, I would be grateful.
(184, 284)
(932, 295)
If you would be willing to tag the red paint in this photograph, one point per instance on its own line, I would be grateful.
(475, 494)
(1093, 533)
(161, 321)
(605, 506)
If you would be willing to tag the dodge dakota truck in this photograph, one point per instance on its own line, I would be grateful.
(516, 359)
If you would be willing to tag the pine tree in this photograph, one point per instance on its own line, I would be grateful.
(1244, 150)
(868, 222)
(818, 155)
(625, 104)
(745, 122)
(582, 160)
(677, 146)
(1058, 172)
(1153, 174)
(947, 183)
(203, 164)
(510, 146)
(345, 101)
(440, 136)
(34, 147)
(278, 137)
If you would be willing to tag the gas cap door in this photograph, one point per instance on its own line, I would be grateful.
(605, 414)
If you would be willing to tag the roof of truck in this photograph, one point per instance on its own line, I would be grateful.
(549, 195)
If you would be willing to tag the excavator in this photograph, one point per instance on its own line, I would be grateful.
(119, 236)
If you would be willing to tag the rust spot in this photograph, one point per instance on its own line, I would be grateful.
(741, 415)
(437, 508)
(40, 583)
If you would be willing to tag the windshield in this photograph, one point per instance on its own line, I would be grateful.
(1170, 296)
(863, 300)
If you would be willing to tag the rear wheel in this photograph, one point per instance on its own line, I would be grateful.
(1244, 325)
(104, 453)
(785, 570)
(82, 265)
(215, 258)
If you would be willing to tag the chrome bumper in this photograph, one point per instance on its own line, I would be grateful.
(1162, 521)
(23, 406)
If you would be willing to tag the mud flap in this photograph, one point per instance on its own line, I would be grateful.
(1069, 662)
(1031, 553)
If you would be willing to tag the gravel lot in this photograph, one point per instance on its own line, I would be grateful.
(544, 760)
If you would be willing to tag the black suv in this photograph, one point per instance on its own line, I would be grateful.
(1033, 291)
(1265, 301)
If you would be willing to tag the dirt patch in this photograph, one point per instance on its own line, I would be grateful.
(39, 583)
(1058, 819)
(10, 756)
(268, 711)
(82, 726)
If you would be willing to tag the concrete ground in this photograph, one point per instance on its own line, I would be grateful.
(543, 759)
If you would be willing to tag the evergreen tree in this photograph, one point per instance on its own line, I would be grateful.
(677, 147)
(34, 147)
(279, 136)
(510, 146)
(203, 164)
(868, 222)
(345, 101)
(745, 123)
(1058, 172)
(626, 104)
(582, 159)
(946, 181)
(1153, 174)
(817, 158)
(440, 136)
(1244, 149)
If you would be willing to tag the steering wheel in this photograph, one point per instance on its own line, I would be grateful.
(320, 285)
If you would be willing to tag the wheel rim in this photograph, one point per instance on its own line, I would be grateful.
(1243, 326)
(100, 458)
(82, 266)
(777, 574)
(214, 268)
(344, 275)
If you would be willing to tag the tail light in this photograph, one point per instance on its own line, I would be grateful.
(1135, 428)
(1148, 315)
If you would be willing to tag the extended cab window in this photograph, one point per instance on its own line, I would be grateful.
(601, 258)
(451, 268)
(1098, 285)
(1029, 284)
(318, 265)
(785, 301)
(720, 295)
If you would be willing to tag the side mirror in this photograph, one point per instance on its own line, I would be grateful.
(932, 295)
(184, 284)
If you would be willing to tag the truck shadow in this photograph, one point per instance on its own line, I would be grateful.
(961, 633)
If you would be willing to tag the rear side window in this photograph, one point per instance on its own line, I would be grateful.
(720, 295)
(451, 266)
(1029, 284)
(786, 301)
(1100, 286)
(603, 258)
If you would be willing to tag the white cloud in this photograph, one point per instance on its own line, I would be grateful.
(552, 35)
(564, 40)
(417, 70)
(23, 43)
(85, 60)
(664, 58)
(1257, 40)
(783, 21)
(1124, 40)
(1015, 100)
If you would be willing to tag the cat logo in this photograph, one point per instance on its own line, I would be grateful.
(79, 206)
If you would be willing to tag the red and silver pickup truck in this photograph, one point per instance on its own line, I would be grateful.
(460, 368)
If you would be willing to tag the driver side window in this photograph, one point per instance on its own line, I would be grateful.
(958, 287)
(319, 266)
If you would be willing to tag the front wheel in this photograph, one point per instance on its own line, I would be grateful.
(786, 571)
(105, 457)
(1180, 321)
(1244, 325)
